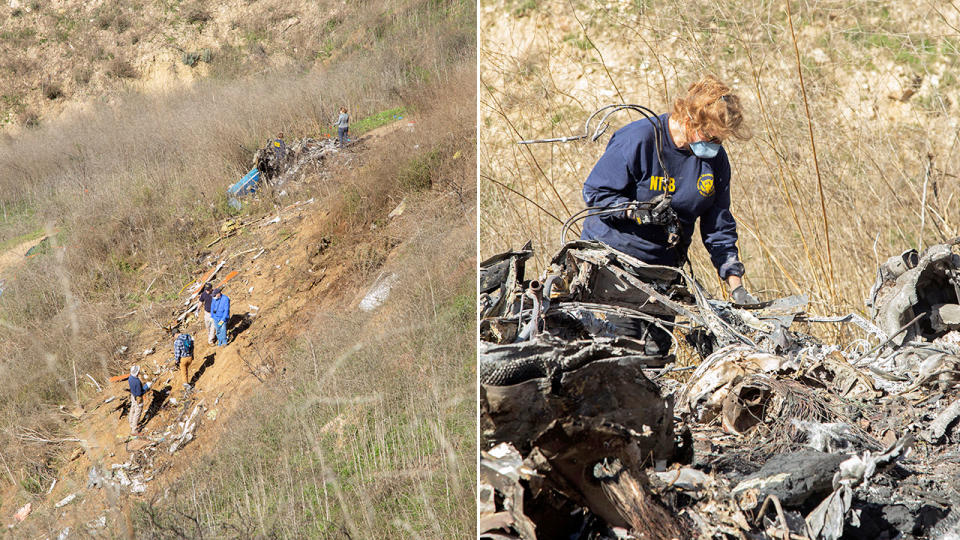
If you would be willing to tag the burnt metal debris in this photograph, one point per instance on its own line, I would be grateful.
(590, 428)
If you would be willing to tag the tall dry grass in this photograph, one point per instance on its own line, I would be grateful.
(131, 190)
(878, 95)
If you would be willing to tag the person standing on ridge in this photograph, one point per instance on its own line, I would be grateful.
(220, 311)
(697, 177)
(206, 297)
(183, 355)
(343, 127)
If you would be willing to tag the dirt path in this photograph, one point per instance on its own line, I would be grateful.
(16, 254)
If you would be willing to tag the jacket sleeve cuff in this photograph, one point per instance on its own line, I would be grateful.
(732, 267)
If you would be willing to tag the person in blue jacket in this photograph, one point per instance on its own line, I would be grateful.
(697, 176)
(220, 312)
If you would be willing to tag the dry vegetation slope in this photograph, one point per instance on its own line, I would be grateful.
(882, 92)
(65, 56)
(363, 422)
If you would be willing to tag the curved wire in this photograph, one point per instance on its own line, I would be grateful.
(592, 211)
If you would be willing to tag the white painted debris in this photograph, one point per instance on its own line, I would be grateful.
(122, 477)
(189, 426)
(379, 293)
(66, 500)
(99, 389)
(138, 486)
(274, 220)
(398, 211)
(23, 512)
(122, 350)
(64, 534)
(52, 484)
(148, 352)
(109, 399)
(251, 290)
(684, 478)
(99, 523)
(258, 255)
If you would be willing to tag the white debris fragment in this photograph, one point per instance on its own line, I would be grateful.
(23, 512)
(138, 486)
(98, 523)
(398, 211)
(122, 477)
(148, 352)
(64, 534)
(66, 500)
(189, 426)
(379, 293)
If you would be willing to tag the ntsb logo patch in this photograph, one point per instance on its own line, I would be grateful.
(705, 185)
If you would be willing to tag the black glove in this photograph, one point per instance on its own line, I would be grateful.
(742, 297)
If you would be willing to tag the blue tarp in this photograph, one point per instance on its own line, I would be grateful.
(246, 185)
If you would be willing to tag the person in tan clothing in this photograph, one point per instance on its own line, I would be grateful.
(183, 355)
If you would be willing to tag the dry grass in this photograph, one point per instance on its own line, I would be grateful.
(135, 188)
(878, 81)
(245, 38)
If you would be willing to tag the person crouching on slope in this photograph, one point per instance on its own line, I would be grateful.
(220, 311)
(206, 297)
(137, 390)
(697, 177)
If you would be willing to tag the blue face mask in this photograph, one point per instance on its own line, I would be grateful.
(704, 149)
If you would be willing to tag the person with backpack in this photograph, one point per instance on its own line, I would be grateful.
(220, 311)
(206, 297)
(183, 355)
(137, 389)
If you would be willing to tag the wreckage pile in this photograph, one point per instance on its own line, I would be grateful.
(279, 168)
(773, 434)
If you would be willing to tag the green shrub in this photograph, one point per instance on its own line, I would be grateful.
(417, 175)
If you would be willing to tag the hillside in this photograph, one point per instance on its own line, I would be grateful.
(61, 58)
(319, 419)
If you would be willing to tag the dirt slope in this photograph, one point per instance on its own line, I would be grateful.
(286, 273)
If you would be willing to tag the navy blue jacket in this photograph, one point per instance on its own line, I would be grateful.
(136, 387)
(629, 171)
(206, 298)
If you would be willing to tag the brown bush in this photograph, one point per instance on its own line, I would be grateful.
(121, 69)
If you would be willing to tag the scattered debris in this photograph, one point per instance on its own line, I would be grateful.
(776, 434)
(23, 512)
(379, 292)
(94, 381)
(189, 426)
(66, 500)
(398, 211)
